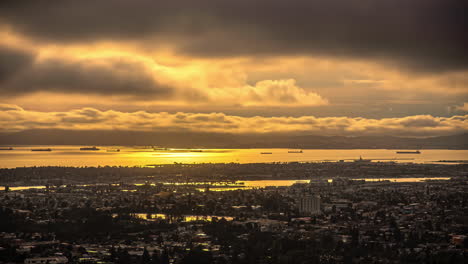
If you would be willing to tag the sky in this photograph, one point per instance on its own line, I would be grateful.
(328, 67)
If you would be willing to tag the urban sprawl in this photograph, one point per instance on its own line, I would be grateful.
(328, 212)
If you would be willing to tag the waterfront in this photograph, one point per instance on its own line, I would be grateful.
(22, 156)
(240, 185)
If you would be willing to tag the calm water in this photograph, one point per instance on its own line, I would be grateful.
(250, 184)
(129, 156)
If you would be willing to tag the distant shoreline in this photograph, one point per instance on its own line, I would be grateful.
(210, 173)
(187, 139)
(142, 147)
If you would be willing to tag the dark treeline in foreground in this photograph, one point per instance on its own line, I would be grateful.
(222, 140)
(223, 172)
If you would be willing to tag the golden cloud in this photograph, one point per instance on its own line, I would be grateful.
(135, 76)
(14, 118)
(131, 77)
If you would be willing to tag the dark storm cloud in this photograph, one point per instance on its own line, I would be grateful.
(423, 35)
(12, 61)
(87, 76)
(20, 74)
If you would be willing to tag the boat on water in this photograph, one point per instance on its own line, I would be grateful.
(196, 150)
(42, 149)
(89, 148)
(157, 149)
(295, 151)
(9, 148)
(361, 160)
(113, 150)
(266, 152)
(409, 152)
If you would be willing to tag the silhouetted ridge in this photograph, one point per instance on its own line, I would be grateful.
(220, 140)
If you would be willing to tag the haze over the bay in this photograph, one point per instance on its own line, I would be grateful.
(326, 67)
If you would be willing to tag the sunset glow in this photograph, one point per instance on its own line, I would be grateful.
(152, 70)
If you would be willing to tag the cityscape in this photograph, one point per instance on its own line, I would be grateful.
(348, 212)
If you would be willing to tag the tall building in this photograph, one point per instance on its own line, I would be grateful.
(310, 204)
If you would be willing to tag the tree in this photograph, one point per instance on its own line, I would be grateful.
(165, 257)
(124, 257)
(145, 258)
(113, 254)
(155, 258)
(197, 256)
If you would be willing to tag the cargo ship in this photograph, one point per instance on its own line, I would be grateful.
(266, 152)
(295, 151)
(156, 149)
(113, 150)
(10, 148)
(409, 152)
(42, 149)
(361, 160)
(89, 148)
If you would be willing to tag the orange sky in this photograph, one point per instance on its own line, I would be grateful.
(261, 78)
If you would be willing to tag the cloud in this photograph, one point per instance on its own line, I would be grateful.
(12, 61)
(14, 118)
(23, 72)
(281, 92)
(10, 107)
(98, 76)
(421, 35)
(139, 78)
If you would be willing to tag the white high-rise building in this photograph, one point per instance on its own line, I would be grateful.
(310, 204)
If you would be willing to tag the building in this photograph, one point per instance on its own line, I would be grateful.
(310, 204)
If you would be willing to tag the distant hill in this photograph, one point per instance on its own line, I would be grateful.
(220, 140)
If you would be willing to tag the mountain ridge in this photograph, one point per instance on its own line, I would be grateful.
(224, 140)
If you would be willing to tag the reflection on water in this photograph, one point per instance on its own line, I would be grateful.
(404, 179)
(224, 189)
(266, 183)
(184, 218)
(242, 185)
(134, 156)
(20, 188)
